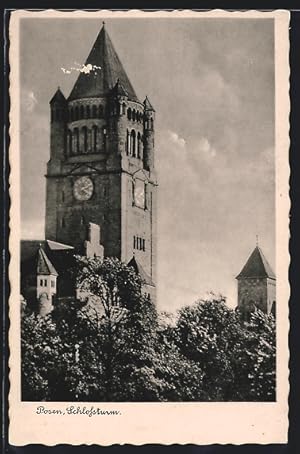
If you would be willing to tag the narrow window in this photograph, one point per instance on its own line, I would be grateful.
(62, 196)
(123, 108)
(85, 144)
(100, 111)
(45, 282)
(52, 284)
(133, 115)
(76, 140)
(146, 197)
(95, 133)
(132, 143)
(76, 113)
(127, 143)
(94, 111)
(70, 145)
(139, 146)
(41, 282)
(134, 243)
(81, 112)
(143, 244)
(63, 224)
(129, 113)
(88, 112)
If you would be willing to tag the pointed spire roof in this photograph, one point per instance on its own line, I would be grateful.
(146, 279)
(148, 105)
(105, 69)
(257, 266)
(44, 266)
(58, 97)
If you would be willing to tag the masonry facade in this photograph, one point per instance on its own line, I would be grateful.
(101, 170)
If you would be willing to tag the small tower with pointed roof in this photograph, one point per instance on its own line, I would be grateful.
(257, 284)
(46, 276)
(101, 169)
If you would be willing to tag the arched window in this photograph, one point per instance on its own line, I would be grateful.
(88, 112)
(72, 114)
(151, 123)
(133, 115)
(84, 139)
(100, 111)
(94, 109)
(104, 135)
(129, 113)
(127, 143)
(94, 138)
(76, 113)
(70, 144)
(132, 143)
(75, 148)
(81, 111)
(123, 108)
(139, 147)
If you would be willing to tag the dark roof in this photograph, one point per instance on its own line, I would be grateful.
(44, 266)
(58, 97)
(106, 70)
(29, 248)
(148, 105)
(257, 266)
(146, 279)
(60, 255)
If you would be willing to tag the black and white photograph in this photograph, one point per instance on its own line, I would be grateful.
(150, 251)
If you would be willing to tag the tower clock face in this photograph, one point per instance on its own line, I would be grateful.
(83, 188)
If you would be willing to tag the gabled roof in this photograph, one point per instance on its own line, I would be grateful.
(106, 69)
(257, 266)
(148, 105)
(146, 279)
(44, 266)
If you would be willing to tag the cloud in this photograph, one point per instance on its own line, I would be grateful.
(86, 69)
(175, 139)
(206, 149)
(29, 100)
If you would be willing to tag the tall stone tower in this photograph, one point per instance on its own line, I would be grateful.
(257, 284)
(101, 168)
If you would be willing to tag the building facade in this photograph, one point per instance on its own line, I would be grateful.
(101, 169)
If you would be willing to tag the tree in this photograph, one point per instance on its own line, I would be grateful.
(237, 359)
(254, 359)
(127, 322)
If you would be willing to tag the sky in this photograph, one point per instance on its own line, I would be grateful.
(211, 82)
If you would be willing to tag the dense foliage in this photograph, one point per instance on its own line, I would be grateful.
(111, 345)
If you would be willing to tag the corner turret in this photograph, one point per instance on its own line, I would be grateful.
(149, 116)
